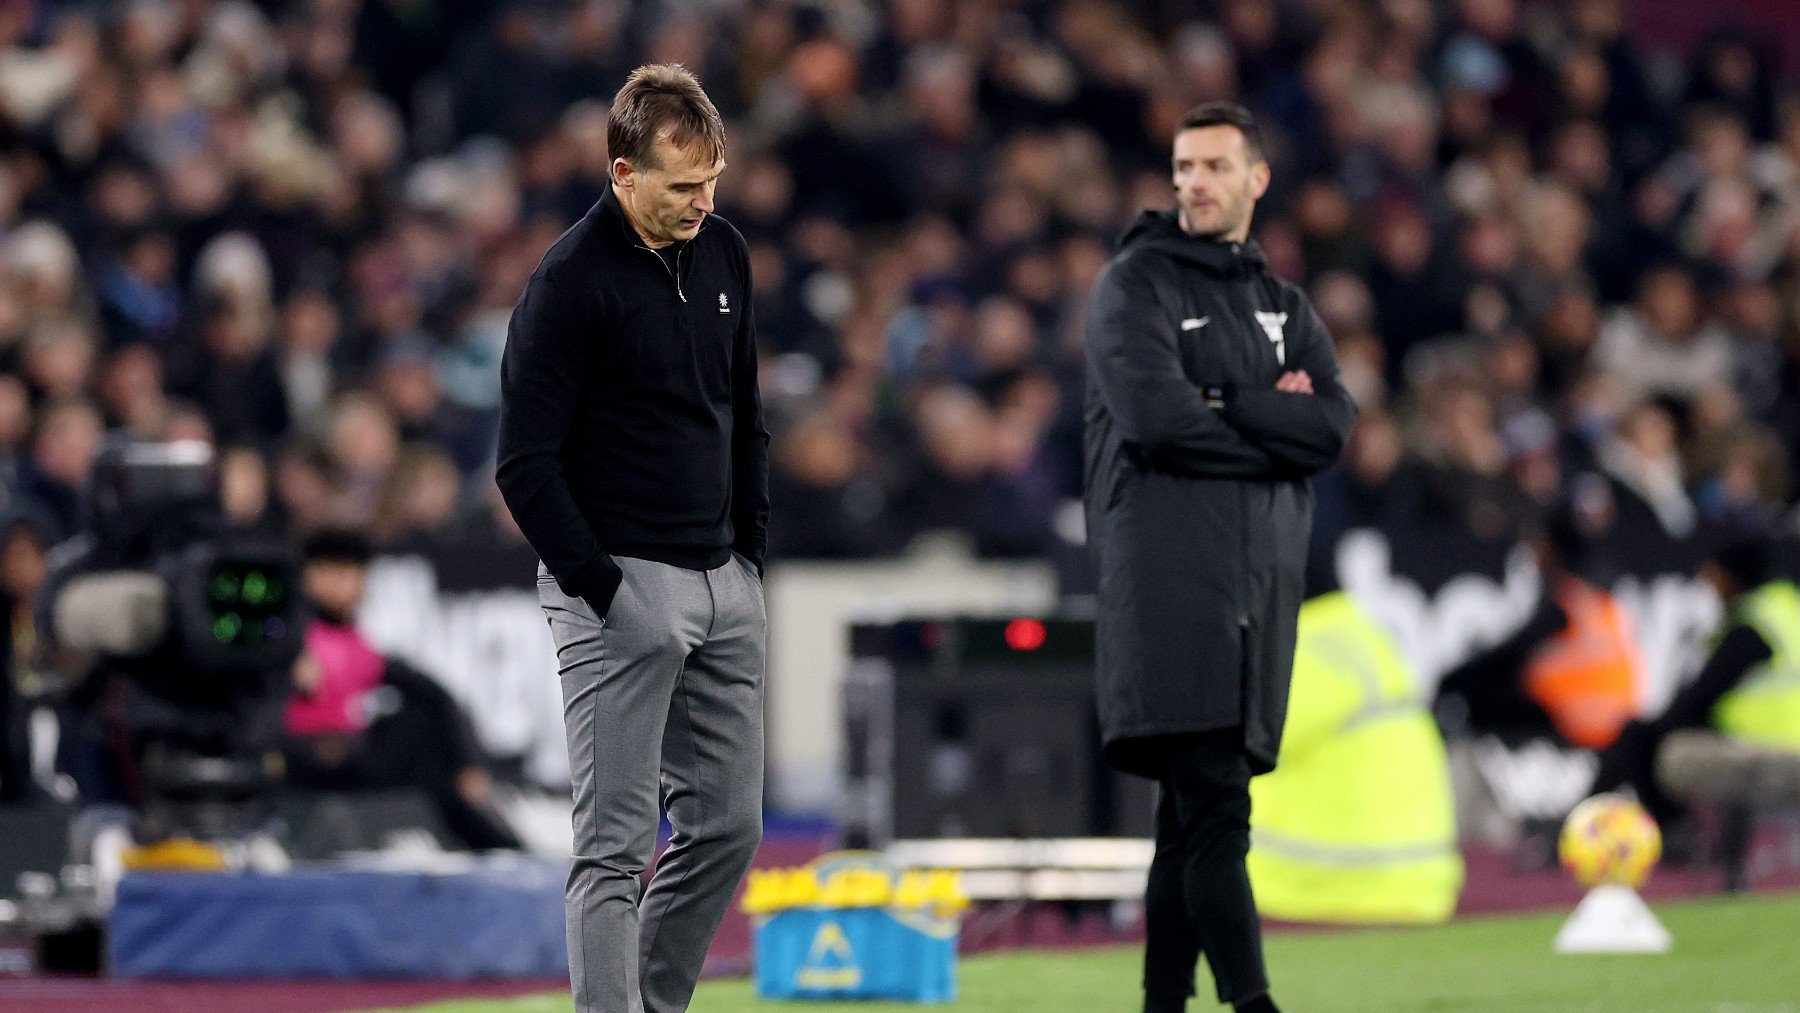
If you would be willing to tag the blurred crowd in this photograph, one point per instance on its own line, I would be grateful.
(297, 230)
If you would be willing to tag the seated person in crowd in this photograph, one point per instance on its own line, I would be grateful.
(359, 721)
(1356, 824)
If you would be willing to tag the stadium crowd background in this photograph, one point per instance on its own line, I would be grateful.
(1549, 257)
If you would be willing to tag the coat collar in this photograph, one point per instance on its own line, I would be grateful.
(612, 219)
(1162, 231)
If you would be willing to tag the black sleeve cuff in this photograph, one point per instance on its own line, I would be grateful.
(595, 583)
(754, 553)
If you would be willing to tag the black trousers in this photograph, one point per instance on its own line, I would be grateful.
(1198, 899)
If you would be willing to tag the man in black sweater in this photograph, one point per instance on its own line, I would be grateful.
(633, 455)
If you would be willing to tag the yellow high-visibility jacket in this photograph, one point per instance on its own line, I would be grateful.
(1764, 709)
(1356, 824)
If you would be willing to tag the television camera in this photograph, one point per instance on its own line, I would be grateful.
(192, 627)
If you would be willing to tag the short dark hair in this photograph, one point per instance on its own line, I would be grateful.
(657, 97)
(1228, 114)
(338, 545)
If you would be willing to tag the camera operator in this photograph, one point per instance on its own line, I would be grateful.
(362, 722)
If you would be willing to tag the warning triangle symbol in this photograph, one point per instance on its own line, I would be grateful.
(830, 947)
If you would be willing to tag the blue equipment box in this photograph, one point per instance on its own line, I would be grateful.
(857, 953)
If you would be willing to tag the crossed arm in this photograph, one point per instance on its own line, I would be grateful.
(1304, 420)
(1159, 413)
(1294, 429)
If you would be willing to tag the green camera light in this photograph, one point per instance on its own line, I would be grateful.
(225, 586)
(227, 627)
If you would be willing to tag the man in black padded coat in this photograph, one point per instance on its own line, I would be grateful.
(1213, 393)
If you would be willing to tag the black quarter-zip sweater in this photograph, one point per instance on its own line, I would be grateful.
(630, 422)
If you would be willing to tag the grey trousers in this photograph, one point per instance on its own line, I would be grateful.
(662, 704)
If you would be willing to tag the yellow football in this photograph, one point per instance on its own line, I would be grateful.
(1610, 839)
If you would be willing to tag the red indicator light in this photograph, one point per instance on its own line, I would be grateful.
(1025, 634)
(931, 635)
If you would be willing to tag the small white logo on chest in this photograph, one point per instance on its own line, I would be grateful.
(1194, 323)
(724, 303)
(1271, 325)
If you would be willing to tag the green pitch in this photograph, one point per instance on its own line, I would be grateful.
(1732, 955)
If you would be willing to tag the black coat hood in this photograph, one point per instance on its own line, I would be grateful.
(1161, 231)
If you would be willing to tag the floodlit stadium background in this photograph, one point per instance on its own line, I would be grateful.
(297, 230)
